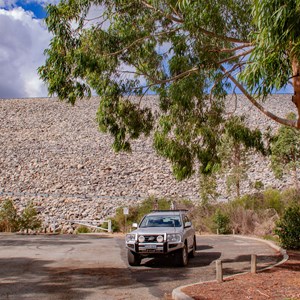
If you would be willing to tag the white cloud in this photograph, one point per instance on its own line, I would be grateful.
(7, 3)
(22, 43)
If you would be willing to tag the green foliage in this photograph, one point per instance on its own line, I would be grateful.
(273, 199)
(288, 228)
(82, 229)
(249, 201)
(179, 50)
(9, 220)
(290, 196)
(258, 185)
(208, 186)
(277, 41)
(269, 199)
(236, 143)
(29, 218)
(285, 151)
(221, 222)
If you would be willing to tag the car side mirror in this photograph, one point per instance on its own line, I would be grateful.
(187, 224)
(134, 225)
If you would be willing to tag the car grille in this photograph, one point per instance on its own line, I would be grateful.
(150, 238)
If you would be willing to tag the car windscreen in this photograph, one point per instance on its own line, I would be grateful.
(161, 221)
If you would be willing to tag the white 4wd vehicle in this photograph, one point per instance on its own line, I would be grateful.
(164, 232)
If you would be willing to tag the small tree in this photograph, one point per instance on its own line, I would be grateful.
(29, 218)
(236, 144)
(221, 222)
(9, 220)
(285, 149)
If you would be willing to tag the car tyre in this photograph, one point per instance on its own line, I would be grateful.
(133, 258)
(193, 252)
(182, 257)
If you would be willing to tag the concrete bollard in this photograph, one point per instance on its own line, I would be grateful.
(219, 271)
(253, 263)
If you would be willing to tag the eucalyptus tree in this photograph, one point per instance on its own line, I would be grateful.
(285, 152)
(187, 52)
(236, 145)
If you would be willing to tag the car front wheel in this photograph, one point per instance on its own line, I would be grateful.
(193, 252)
(182, 257)
(133, 258)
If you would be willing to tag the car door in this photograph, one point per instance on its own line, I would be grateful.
(189, 232)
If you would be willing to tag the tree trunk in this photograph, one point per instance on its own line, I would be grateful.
(295, 177)
(237, 160)
(296, 86)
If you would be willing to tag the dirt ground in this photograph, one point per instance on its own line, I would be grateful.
(281, 282)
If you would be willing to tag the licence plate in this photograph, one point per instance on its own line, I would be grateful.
(150, 246)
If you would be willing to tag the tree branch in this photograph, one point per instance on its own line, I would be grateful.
(225, 50)
(139, 40)
(168, 16)
(206, 32)
(282, 121)
(235, 56)
(179, 76)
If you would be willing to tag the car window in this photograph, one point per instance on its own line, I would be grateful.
(186, 219)
(161, 221)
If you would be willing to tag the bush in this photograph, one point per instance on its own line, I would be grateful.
(290, 196)
(272, 199)
(29, 219)
(242, 220)
(288, 228)
(221, 222)
(82, 229)
(252, 202)
(9, 220)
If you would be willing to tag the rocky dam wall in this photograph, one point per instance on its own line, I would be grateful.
(52, 154)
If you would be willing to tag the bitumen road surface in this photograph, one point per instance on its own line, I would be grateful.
(95, 266)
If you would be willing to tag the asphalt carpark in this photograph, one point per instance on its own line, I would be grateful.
(95, 266)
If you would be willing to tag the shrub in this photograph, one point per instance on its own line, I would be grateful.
(290, 196)
(221, 222)
(250, 201)
(9, 220)
(272, 199)
(242, 220)
(29, 219)
(258, 185)
(83, 229)
(115, 227)
(288, 228)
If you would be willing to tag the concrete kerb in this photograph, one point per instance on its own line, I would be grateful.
(178, 294)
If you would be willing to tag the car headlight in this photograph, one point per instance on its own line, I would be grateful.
(174, 237)
(141, 239)
(160, 238)
(130, 238)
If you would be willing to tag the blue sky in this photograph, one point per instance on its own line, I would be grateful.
(24, 38)
(38, 8)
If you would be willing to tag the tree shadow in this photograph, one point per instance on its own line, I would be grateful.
(29, 278)
(203, 247)
(242, 263)
(45, 240)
